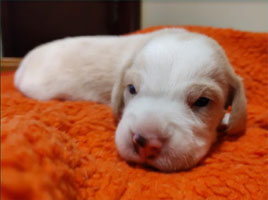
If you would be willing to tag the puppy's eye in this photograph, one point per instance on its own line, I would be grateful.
(201, 102)
(132, 89)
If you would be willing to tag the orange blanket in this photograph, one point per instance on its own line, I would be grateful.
(65, 150)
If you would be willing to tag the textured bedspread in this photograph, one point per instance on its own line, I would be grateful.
(65, 150)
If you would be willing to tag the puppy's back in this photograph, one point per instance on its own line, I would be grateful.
(75, 68)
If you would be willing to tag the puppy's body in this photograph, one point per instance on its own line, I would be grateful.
(170, 88)
(78, 68)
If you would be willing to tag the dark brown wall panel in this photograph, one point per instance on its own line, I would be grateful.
(25, 24)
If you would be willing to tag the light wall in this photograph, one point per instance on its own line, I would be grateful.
(249, 15)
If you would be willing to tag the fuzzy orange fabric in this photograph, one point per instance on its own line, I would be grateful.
(65, 150)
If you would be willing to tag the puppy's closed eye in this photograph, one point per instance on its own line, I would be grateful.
(201, 102)
(203, 95)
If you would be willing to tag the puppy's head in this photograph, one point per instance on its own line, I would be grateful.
(171, 99)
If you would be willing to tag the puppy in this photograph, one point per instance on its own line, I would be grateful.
(169, 90)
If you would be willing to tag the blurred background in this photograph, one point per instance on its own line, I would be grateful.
(26, 24)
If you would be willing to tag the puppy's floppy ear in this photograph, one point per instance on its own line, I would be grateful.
(117, 101)
(237, 100)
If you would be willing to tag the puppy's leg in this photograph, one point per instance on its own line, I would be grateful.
(223, 126)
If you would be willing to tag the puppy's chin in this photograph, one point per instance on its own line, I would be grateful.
(175, 154)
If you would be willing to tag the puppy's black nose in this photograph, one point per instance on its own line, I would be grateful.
(139, 140)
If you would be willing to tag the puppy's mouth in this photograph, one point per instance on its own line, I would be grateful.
(143, 154)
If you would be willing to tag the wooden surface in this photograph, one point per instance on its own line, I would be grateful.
(9, 64)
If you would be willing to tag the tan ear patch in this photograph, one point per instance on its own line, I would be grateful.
(237, 100)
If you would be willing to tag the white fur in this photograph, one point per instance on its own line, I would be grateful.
(170, 70)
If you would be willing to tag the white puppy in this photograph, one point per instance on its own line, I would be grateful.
(170, 90)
